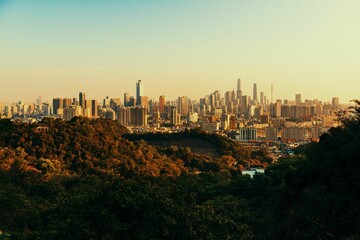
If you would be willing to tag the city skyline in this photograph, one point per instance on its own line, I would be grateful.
(179, 48)
(139, 92)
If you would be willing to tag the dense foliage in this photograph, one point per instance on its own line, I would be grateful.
(199, 142)
(83, 180)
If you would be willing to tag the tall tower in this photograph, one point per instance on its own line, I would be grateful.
(139, 91)
(82, 99)
(261, 98)
(238, 92)
(272, 93)
(255, 92)
(161, 104)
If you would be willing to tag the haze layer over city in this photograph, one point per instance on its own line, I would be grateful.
(179, 48)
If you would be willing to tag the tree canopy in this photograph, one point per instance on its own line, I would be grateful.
(90, 179)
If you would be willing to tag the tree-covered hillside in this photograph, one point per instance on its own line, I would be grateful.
(209, 145)
(83, 180)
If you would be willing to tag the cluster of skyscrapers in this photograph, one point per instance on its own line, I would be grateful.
(233, 111)
(132, 112)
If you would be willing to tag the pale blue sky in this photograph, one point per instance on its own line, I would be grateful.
(59, 48)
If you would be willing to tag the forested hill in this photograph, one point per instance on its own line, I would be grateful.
(83, 146)
(95, 184)
(97, 146)
(208, 145)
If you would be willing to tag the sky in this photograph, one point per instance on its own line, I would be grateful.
(179, 48)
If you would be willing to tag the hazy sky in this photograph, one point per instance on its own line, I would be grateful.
(177, 47)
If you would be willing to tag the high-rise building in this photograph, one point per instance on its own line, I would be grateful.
(183, 105)
(131, 102)
(174, 117)
(262, 98)
(153, 106)
(46, 109)
(244, 104)
(162, 103)
(72, 111)
(229, 99)
(115, 103)
(255, 92)
(94, 108)
(74, 102)
(138, 116)
(295, 112)
(277, 109)
(126, 99)
(144, 102)
(86, 112)
(67, 102)
(106, 102)
(124, 115)
(57, 104)
(215, 98)
(139, 91)
(82, 99)
(238, 92)
(285, 111)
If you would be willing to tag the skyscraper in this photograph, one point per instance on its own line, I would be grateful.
(229, 100)
(183, 105)
(138, 116)
(277, 110)
(57, 104)
(94, 108)
(66, 102)
(261, 98)
(174, 116)
(244, 104)
(139, 91)
(144, 102)
(161, 103)
(126, 99)
(255, 92)
(238, 92)
(82, 99)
